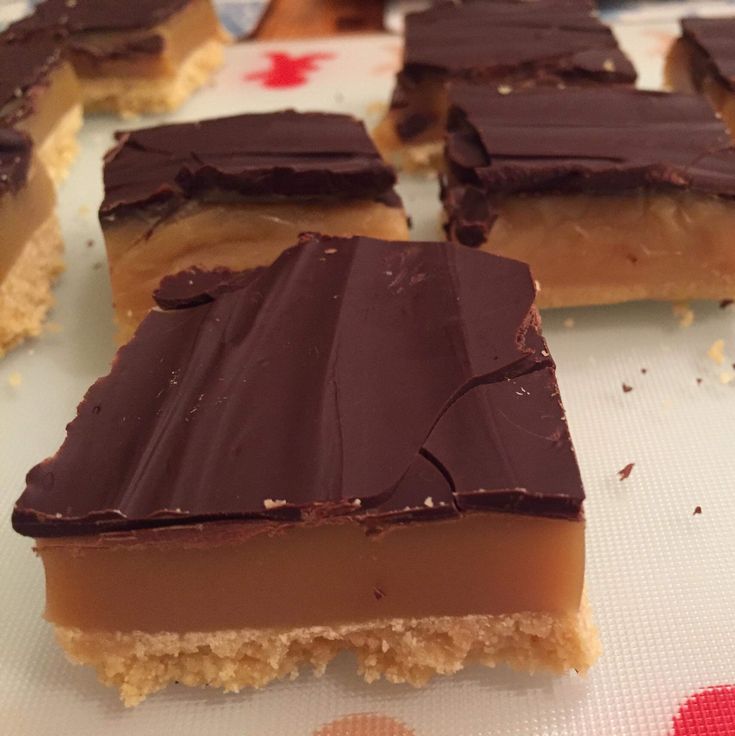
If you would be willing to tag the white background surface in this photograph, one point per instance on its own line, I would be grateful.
(662, 581)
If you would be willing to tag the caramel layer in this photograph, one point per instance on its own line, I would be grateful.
(142, 249)
(52, 103)
(221, 576)
(611, 248)
(180, 34)
(22, 213)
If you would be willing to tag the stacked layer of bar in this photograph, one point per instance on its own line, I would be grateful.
(134, 57)
(359, 447)
(234, 192)
(30, 256)
(703, 61)
(502, 45)
(609, 194)
(39, 94)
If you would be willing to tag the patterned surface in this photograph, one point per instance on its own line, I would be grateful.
(660, 576)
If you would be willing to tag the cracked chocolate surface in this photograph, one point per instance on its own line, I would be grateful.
(714, 38)
(387, 382)
(590, 141)
(15, 159)
(269, 156)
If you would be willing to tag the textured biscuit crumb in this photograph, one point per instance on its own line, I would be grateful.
(683, 313)
(399, 650)
(25, 292)
(716, 351)
(60, 148)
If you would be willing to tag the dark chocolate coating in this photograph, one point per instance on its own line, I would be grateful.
(556, 39)
(714, 38)
(260, 156)
(15, 159)
(582, 140)
(24, 69)
(98, 16)
(353, 377)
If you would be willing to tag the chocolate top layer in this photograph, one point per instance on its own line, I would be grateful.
(15, 159)
(89, 16)
(591, 140)
(24, 68)
(560, 39)
(387, 382)
(266, 156)
(715, 38)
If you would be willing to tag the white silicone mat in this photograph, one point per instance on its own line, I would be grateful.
(661, 578)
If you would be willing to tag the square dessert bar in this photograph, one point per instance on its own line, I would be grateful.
(703, 61)
(39, 94)
(31, 246)
(134, 57)
(505, 45)
(609, 194)
(235, 192)
(360, 447)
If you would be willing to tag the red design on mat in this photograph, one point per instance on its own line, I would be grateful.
(287, 70)
(710, 712)
(365, 724)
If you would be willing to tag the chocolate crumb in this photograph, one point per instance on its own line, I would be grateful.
(697, 510)
(699, 380)
(626, 471)
(626, 388)
(726, 303)
(378, 593)
(90, 243)
(644, 371)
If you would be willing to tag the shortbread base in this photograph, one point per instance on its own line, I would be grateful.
(58, 151)
(133, 96)
(25, 292)
(399, 650)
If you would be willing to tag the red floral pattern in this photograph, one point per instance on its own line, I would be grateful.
(710, 712)
(288, 71)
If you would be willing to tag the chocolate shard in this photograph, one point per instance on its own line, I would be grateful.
(591, 140)
(15, 159)
(546, 41)
(714, 37)
(388, 382)
(259, 156)
(194, 286)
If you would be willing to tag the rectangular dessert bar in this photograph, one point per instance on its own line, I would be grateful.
(505, 44)
(235, 192)
(609, 194)
(30, 246)
(703, 61)
(39, 94)
(134, 57)
(360, 447)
